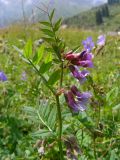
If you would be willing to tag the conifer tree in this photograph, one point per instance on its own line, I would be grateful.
(105, 11)
(99, 19)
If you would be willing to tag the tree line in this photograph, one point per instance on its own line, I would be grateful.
(101, 13)
(110, 2)
(104, 11)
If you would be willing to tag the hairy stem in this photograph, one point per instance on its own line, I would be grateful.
(61, 79)
(60, 128)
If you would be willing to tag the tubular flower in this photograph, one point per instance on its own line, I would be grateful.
(3, 76)
(83, 59)
(101, 40)
(88, 44)
(82, 97)
(77, 101)
(80, 75)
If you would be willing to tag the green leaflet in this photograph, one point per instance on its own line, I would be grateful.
(47, 117)
(57, 25)
(45, 23)
(54, 77)
(45, 67)
(28, 49)
(42, 133)
(39, 55)
(48, 32)
(52, 14)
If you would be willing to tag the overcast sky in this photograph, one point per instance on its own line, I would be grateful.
(30, 1)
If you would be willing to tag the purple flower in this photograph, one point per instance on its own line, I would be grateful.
(3, 77)
(23, 76)
(71, 101)
(80, 75)
(76, 100)
(88, 44)
(86, 64)
(82, 97)
(84, 59)
(101, 40)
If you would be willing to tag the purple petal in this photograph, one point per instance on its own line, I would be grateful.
(84, 97)
(82, 54)
(88, 56)
(86, 64)
(89, 39)
(23, 76)
(81, 107)
(76, 100)
(88, 44)
(83, 76)
(101, 40)
(80, 75)
(75, 71)
(3, 77)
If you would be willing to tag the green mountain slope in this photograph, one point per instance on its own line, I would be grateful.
(87, 19)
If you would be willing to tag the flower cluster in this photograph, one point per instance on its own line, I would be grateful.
(76, 100)
(3, 77)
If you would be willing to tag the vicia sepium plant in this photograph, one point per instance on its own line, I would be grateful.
(52, 62)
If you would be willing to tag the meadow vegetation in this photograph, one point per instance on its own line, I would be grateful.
(27, 108)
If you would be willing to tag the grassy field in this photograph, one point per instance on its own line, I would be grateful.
(18, 140)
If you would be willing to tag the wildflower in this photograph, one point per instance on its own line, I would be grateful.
(3, 76)
(71, 101)
(83, 59)
(71, 56)
(82, 97)
(88, 44)
(41, 150)
(76, 100)
(23, 76)
(101, 40)
(80, 75)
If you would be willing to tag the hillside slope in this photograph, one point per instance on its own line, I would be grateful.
(87, 19)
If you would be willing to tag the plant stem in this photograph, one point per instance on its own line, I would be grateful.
(94, 147)
(60, 127)
(61, 79)
(57, 96)
(99, 114)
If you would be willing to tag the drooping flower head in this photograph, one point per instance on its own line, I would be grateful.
(3, 77)
(88, 44)
(80, 75)
(101, 40)
(76, 100)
